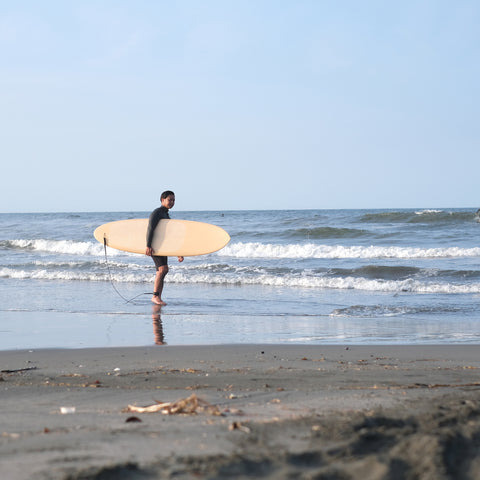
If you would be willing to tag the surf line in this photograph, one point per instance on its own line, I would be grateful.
(111, 278)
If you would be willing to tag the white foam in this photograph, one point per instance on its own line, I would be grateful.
(428, 212)
(310, 250)
(346, 283)
(261, 250)
(68, 247)
(185, 276)
(73, 275)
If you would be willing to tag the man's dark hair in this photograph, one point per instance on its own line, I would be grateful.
(166, 194)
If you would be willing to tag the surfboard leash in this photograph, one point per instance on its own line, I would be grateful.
(111, 277)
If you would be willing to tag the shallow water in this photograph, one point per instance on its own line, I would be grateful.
(313, 277)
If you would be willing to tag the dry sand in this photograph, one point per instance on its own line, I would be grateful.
(306, 412)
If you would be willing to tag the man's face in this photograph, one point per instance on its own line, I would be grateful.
(168, 202)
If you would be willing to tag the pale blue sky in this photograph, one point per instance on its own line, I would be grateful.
(247, 104)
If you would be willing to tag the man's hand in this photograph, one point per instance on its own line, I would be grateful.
(149, 251)
(180, 259)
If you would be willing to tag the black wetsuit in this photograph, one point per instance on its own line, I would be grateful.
(157, 215)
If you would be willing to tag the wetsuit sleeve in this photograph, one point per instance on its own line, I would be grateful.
(153, 220)
(152, 223)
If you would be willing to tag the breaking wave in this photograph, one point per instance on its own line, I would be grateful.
(248, 277)
(256, 250)
(310, 250)
(66, 247)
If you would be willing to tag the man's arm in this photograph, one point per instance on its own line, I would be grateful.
(152, 224)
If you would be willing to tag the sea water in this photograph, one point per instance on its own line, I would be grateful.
(309, 277)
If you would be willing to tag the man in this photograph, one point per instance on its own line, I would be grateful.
(167, 200)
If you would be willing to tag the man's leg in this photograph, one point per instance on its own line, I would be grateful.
(158, 285)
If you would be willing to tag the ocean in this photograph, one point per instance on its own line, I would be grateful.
(401, 276)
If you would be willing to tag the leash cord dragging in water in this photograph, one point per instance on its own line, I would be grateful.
(111, 278)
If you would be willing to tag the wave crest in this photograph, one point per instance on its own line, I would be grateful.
(430, 216)
(310, 250)
(67, 247)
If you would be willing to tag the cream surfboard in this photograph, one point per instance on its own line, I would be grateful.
(171, 237)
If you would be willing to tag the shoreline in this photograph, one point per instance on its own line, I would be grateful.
(311, 411)
(141, 327)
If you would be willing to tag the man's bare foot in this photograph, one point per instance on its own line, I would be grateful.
(156, 299)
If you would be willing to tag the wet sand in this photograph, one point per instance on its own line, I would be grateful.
(269, 411)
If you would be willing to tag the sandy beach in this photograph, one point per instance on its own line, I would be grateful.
(308, 412)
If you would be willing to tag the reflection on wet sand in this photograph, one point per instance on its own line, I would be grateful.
(157, 325)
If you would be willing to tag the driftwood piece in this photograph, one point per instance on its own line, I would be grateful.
(188, 406)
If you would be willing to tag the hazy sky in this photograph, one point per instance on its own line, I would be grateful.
(239, 104)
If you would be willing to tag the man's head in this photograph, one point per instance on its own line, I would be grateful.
(167, 199)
